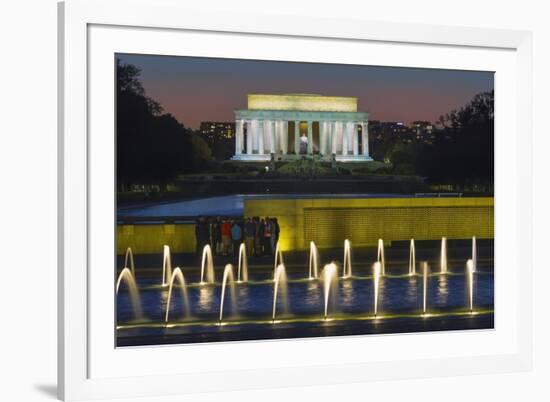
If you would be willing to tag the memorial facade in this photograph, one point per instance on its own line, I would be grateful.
(293, 126)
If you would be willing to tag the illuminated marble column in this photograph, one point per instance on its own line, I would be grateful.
(344, 139)
(255, 136)
(249, 137)
(310, 137)
(268, 130)
(322, 137)
(355, 139)
(340, 131)
(275, 135)
(296, 137)
(328, 142)
(260, 137)
(271, 137)
(279, 139)
(333, 137)
(284, 138)
(239, 137)
(365, 138)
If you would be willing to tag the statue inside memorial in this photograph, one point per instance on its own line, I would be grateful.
(303, 144)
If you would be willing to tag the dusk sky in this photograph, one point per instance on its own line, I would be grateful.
(195, 89)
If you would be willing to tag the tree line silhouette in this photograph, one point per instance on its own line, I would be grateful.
(462, 153)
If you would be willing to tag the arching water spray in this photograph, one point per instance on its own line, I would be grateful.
(207, 265)
(127, 276)
(228, 277)
(280, 286)
(330, 277)
(242, 271)
(470, 280)
(347, 259)
(380, 256)
(178, 275)
(425, 270)
(313, 261)
(376, 273)
(278, 258)
(412, 259)
(129, 258)
(474, 253)
(443, 258)
(166, 265)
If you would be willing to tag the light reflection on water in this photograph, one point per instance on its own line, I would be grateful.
(346, 293)
(313, 293)
(411, 294)
(164, 297)
(442, 290)
(305, 298)
(243, 297)
(382, 294)
(205, 299)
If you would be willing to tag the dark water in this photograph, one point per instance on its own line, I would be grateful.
(227, 205)
(350, 307)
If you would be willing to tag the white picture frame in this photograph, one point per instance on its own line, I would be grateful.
(89, 368)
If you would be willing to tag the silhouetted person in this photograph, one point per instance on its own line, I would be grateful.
(201, 234)
(267, 236)
(236, 237)
(259, 239)
(216, 234)
(249, 233)
(226, 236)
(275, 228)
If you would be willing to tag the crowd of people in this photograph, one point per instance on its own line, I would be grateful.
(225, 235)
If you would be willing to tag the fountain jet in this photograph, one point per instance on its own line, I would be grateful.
(207, 265)
(280, 286)
(347, 259)
(313, 261)
(129, 257)
(127, 276)
(166, 265)
(412, 259)
(177, 275)
(474, 253)
(380, 256)
(470, 278)
(330, 276)
(228, 277)
(443, 258)
(243, 265)
(377, 271)
(278, 258)
(425, 269)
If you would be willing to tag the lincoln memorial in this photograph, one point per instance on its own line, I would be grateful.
(292, 126)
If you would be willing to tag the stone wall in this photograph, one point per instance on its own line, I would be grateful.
(329, 222)
(363, 221)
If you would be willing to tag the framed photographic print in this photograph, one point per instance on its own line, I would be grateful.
(343, 196)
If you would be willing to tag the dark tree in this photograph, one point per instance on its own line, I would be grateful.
(462, 154)
(465, 146)
(152, 147)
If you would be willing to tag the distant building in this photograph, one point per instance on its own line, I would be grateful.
(416, 131)
(422, 129)
(216, 130)
(293, 126)
(380, 130)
